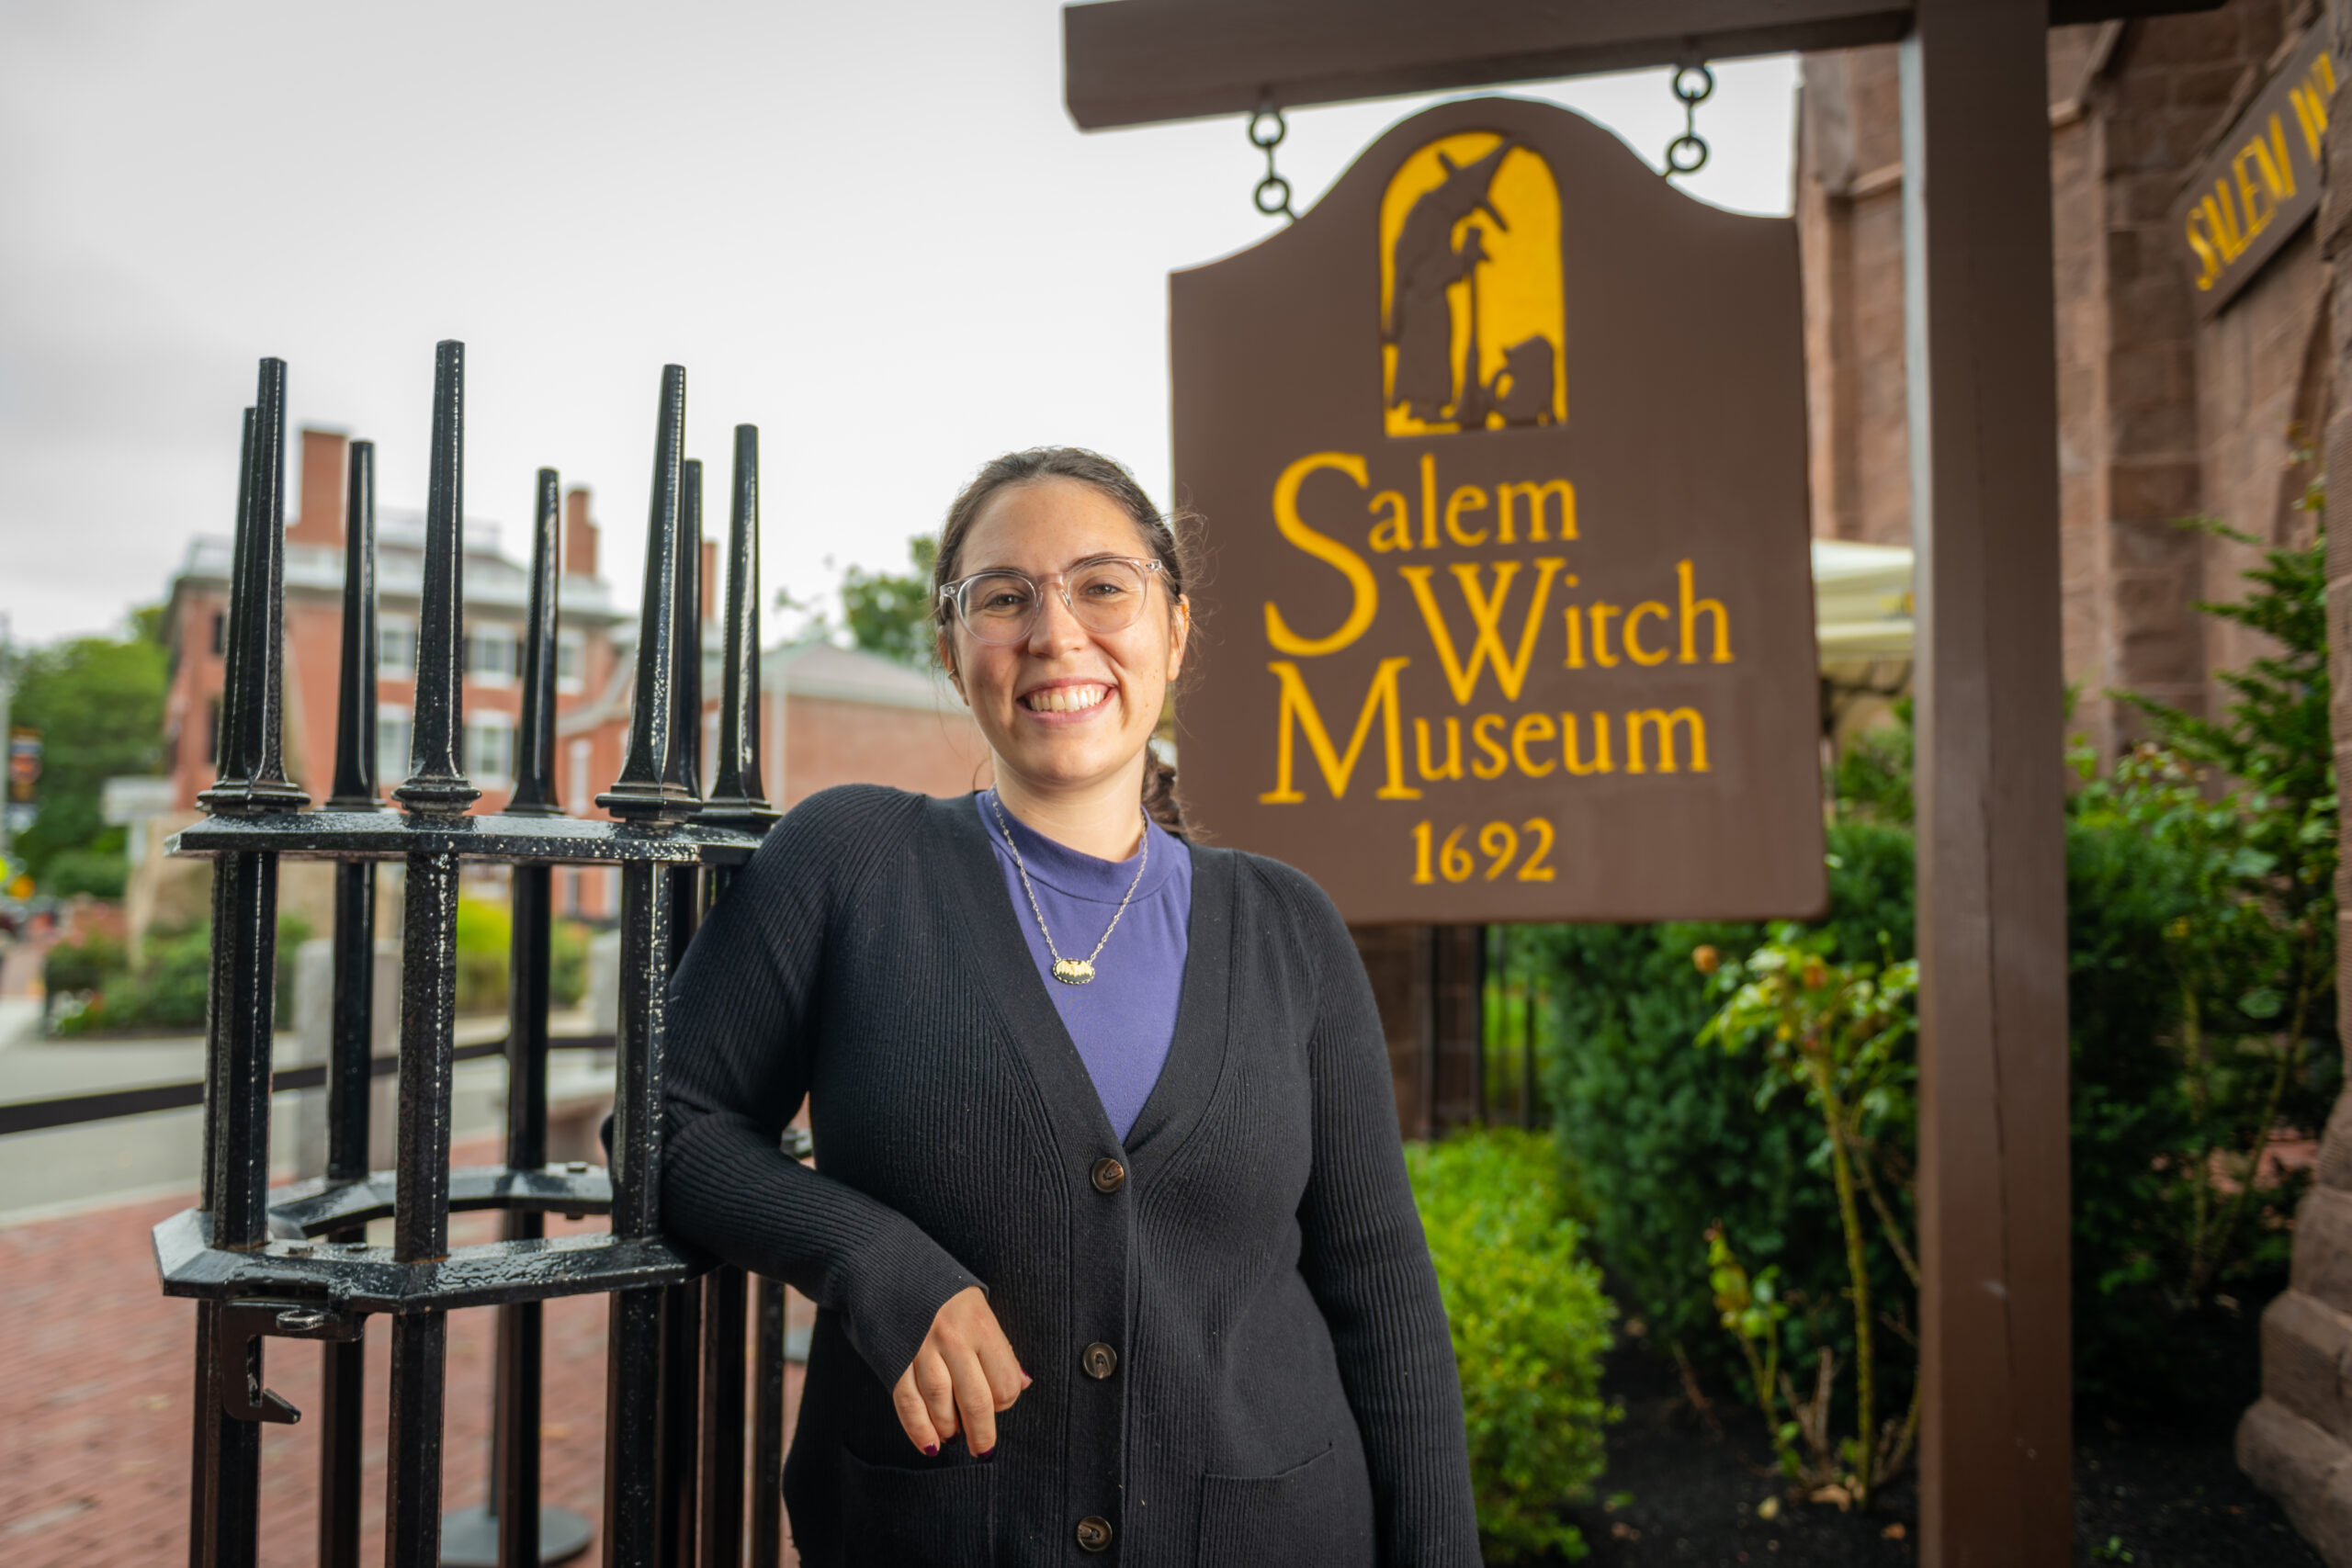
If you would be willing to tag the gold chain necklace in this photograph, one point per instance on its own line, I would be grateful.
(1070, 971)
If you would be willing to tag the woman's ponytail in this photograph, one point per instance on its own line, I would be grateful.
(1159, 802)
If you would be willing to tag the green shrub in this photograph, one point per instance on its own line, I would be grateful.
(567, 962)
(1667, 1140)
(92, 964)
(168, 989)
(98, 873)
(485, 949)
(485, 934)
(1530, 1327)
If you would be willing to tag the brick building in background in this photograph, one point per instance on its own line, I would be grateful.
(2181, 148)
(829, 715)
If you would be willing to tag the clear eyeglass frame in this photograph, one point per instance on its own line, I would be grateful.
(1001, 624)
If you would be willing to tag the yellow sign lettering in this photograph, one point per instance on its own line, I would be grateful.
(2311, 101)
(1395, 529)
(2222, 222)
(1662, 724)
(2254, 200)
(1323, 547)
(1453, 768)
(1602, 611)
(1428, 500)
(1571, 754)
(1299, 714)
(1486, 612)
(1486, 734)
(1468, 498)
(1532, 729)
(1693, 609)
(1647, 610)
(2210, 269)
(1533, 492)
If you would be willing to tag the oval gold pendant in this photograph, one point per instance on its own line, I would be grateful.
(1073, 971)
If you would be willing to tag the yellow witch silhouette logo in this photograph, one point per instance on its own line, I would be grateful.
(1473, 327)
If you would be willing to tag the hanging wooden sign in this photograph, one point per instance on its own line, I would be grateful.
(1502, 451)
(2263, 181)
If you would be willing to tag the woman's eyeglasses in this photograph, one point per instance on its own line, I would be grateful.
(1104, 594)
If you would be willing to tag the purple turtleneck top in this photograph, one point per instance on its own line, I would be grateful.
(1123, 1020)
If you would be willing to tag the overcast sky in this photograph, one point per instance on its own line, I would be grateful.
(869, 229)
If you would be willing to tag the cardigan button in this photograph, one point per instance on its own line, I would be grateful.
(1099, 1360)
(1109, 1176)
(1094, 1532)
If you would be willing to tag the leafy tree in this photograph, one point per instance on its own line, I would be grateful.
(889, 613)
(98, 704)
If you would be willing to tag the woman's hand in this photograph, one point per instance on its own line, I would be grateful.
(965, 1373)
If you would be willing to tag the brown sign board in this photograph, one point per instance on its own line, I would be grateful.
(1501, 451)
(2262, 183)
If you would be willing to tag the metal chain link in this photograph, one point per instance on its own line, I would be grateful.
(1687, 154)
(1272, 194)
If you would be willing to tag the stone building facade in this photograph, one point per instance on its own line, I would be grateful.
(2162, 416)
(2175, 402)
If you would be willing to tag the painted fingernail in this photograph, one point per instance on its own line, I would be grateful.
(982, 1453)
(930, 1450)
(1026, 1379)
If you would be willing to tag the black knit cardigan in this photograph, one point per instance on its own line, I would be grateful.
(1284, 1388)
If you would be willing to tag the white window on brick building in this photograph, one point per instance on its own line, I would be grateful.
(391, 745)
(493, 655)
(570, 661)
(396, 649)
(577, 796)
(489, 749)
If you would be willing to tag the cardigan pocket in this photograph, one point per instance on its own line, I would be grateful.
(940, 1517)
(1299, 1517)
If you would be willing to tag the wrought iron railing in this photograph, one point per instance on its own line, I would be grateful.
(295, 1263)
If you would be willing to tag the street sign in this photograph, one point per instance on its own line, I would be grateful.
(23, 767)
(2261, 184)
(1501, 454)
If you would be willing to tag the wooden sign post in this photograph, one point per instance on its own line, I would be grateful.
(1501, 454)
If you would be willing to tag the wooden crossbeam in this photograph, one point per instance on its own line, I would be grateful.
(1145, 62)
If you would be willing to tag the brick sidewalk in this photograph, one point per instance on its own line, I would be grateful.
(96, 1369)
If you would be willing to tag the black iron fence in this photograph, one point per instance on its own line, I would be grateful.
(295, 1263)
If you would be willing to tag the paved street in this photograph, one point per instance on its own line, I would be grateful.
(58, 1170)
(95, 1365)
(95, 1375)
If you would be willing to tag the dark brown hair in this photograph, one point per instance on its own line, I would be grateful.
(1161, 533)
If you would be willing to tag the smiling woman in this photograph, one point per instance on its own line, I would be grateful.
(1110, 1232)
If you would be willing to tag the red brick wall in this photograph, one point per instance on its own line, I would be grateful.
(828, 742)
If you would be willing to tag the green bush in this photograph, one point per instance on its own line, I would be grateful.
(1530, 1327)
(97, 871)
(567, 962)
(1667, 1140)
(485, 947)
(485, 934)
(168, 989)
(90, 964)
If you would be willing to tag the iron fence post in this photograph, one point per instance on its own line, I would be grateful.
(294, 1267)
(343, 1371)
(436, 786)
